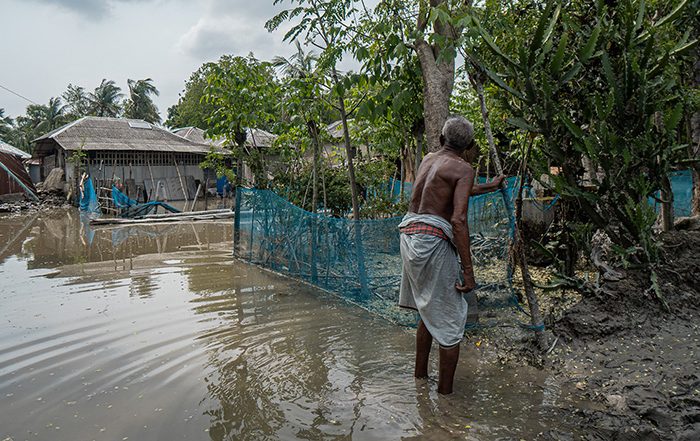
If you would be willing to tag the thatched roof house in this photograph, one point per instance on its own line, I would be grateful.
(335, 149)
(133, 152)
(255, 138)
(93, 133)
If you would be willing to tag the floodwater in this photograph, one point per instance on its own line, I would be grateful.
(156, 332)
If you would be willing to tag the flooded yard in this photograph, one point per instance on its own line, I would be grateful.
(156, 332)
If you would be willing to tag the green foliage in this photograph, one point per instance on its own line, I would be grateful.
(139, 105)
(294, 183)
(6, 124)
(77, 102)
(322, 23)
(191, 110)
(244, 93)
(78, 157)
(38, 120)
(105, 100)
(217, 161)
(598, 84)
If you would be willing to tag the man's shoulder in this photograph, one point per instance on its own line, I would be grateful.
(458, 166)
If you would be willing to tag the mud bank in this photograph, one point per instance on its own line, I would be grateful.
(640, 362)
(47, 201)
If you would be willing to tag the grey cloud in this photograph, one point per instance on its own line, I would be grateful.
(208, 43)
(212, 37)
(96, 9)
(232, 27)
(254, 9)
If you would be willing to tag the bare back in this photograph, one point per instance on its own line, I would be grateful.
(436, 183)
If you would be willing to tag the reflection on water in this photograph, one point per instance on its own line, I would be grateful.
(155, 332)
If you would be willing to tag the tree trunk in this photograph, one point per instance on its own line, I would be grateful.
(348, 151)
(535, 315)
(477, 81)
(403, 160)
(519, 250)
(666, 212)
(313, 132)
(695, 138)
(438, 72)
(438, 81)
(419, 152)
(237, 209)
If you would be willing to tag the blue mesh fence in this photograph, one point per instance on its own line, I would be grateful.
(682, 186)
(360, 260)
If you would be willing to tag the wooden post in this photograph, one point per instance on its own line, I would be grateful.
(195, 197)
(206, 193)
(153, 181)
(182, 183)
(666, 212)
(124, 186)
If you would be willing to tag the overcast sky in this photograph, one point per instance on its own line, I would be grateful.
(50, 43)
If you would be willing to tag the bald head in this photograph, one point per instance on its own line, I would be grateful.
(457, 133)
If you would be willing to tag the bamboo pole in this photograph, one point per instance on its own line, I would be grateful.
(153, 181)
(206, 193)
(517, 246)
(188, 218)
(195, 197)
(182, 183)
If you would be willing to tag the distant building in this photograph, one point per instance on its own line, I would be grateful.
(255, 138)
(335, 149)
(132, 154)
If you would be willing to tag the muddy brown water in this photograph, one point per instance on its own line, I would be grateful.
(156, 332)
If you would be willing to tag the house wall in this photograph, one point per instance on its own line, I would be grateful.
(35, 173)
(139, 170)
(48, 164)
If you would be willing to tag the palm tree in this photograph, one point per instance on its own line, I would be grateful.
(140, 105)
(300, 65)
(52, 116)
(77, 103)
(105, 100)
(5, 125)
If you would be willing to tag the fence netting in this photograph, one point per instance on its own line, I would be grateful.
(360, 260)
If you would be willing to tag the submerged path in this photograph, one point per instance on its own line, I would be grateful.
(155, 332)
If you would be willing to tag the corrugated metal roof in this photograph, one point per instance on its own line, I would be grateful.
(17, 180)
(14, 151)
(117, 134)
(195, 134)
(260, 138)
(335, 129)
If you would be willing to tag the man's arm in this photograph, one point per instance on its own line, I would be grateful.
(488, 187)
(461, 228)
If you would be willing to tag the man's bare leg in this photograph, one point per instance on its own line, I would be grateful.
(448, 365)
(423, 342)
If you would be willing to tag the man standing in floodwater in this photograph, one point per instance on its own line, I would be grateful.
(436, 224)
